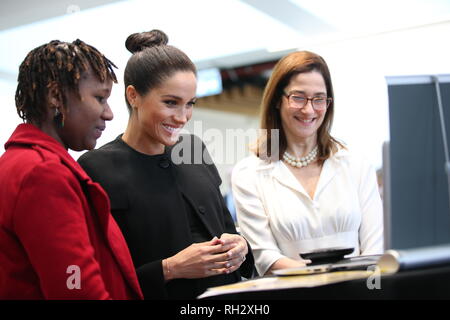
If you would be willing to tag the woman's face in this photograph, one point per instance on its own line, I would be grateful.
(85, 116)
(301, 125)
(164, 110)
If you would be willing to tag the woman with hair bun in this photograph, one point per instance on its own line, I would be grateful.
(179, 231)
(58, 239)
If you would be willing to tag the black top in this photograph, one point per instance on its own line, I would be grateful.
(162, 208)
(198, 230)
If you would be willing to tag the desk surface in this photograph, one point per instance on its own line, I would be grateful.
(433, 283)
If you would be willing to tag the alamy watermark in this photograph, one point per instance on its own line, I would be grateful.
(73, 8)
(374, 280)
(74, 280)
(224, 146)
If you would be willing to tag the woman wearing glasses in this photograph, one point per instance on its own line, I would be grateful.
(303, 190)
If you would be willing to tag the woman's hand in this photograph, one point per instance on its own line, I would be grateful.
(199, 260)
(237, 252)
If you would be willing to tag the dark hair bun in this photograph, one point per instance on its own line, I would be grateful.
(139, 41)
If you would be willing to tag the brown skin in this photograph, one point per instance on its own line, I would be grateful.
(154, 123)
(200, 260)
(168, 106)
(84, 116)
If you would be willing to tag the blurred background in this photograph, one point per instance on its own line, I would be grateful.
(235, 44)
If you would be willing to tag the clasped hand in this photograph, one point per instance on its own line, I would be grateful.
(218, 256)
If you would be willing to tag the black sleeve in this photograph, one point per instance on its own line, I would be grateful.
(151, 279)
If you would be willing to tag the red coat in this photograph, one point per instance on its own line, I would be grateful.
(54, 244)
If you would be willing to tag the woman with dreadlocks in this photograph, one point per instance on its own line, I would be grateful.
(58, 239)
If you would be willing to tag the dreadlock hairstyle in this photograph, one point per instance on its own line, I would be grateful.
(59, 63)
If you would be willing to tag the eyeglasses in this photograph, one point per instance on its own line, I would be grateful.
(299, 101)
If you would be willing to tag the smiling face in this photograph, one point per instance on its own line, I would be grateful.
(164, 110)
(301, 125)
(85, 115)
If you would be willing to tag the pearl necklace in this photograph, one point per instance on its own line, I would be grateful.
(303, 161)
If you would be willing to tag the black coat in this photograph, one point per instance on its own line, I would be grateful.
(150, 197)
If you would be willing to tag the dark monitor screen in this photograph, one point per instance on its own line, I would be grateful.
(416, 192)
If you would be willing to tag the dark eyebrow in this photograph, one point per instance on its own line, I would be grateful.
(171, 96)
(176, 97)
(303, 92)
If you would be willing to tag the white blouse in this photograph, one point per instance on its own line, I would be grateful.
(279, 219)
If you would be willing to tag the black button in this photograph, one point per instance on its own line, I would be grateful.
(201, 209)
(164, 163)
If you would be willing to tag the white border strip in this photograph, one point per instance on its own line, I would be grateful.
(419, 79)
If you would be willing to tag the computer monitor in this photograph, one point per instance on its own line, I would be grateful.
(416, 191)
